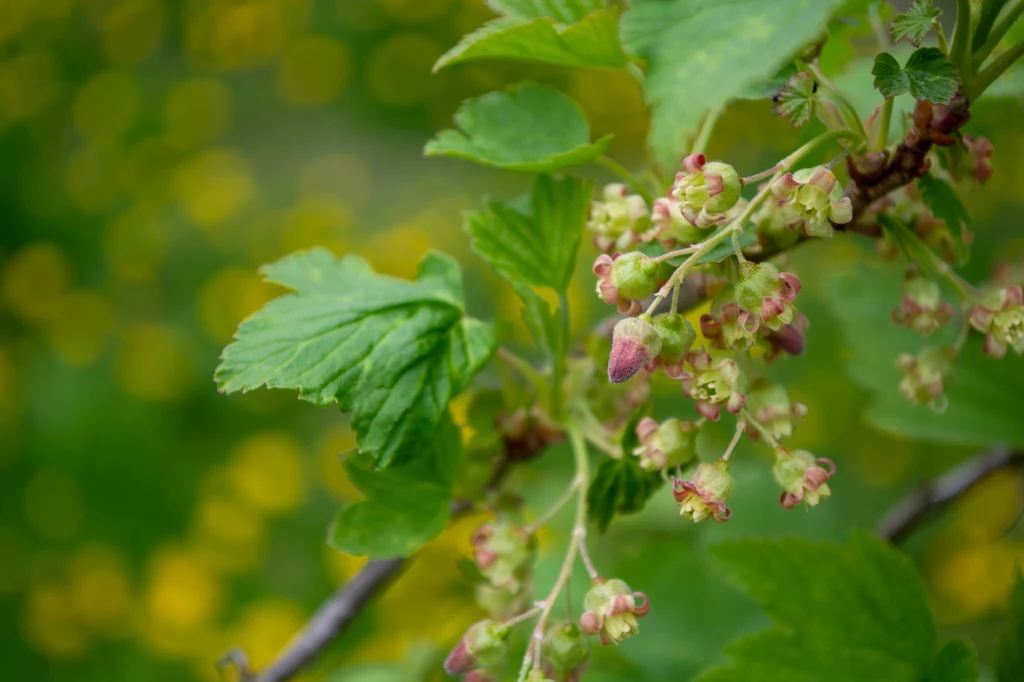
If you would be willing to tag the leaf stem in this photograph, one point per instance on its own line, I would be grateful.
(707, 129)
(760, 176)
(678, 252)
(616, 168)
(843, 100)
(962, 37)
(940, 34)
(768, 437)
(525, 615)
(999, 29)
(882, 133)
(585, 557)
(556, 507)
(559, 358)
(520, 365)
(994, 70)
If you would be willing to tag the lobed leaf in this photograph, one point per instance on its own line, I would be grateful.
(390, 351)
(530, 128)
(916, 22)
(927, 75)
(796, 100)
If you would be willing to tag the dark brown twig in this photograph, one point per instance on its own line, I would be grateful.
(933, 496)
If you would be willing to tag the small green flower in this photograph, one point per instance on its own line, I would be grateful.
(705, 494)
(803, 477)
(612, 610)
(706, 190)
(810, 199)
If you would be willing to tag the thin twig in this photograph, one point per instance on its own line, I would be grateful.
(934, 495)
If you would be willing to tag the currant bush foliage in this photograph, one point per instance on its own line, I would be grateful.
(685, 232)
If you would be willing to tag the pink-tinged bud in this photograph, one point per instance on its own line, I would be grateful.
(618, 221)
(978, 159)
(484, 645)
(706, 190)
(635, 343)
(565, 649)
(480, 676)
(770, 405)
(623, 279)
(669, 444)
(790, 339)
(677, 336)
(922, 309)
(767, 294)
(504, 553)
(713, 384)
(811, 199)
(612, 609)
(926, 376)
(802, 476)
(1000, 317)
(705, 494)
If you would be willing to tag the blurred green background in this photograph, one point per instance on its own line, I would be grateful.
(152, 155)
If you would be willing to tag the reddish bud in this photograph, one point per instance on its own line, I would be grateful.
(635, 343)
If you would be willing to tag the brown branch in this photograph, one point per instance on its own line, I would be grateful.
(935, 495)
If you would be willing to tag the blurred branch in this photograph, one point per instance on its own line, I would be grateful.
(933, 496)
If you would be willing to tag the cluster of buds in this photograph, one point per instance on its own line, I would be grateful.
(669, 444)
(612, 609)
(802, 476)
(566, 649)
(714, 383)
(922, 309)
(705, 494)
(1000, 317)
(618, 221)
(926, 375)
(809, 200)
(484, 645)
(770, 405)
(504, 553)
(624, 279)
(706, 190)
(767, 294)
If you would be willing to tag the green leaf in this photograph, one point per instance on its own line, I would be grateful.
(701, 54)
(537, 247)
(406, 505)
(390, 351)
(842, 613)
(986, 18)
(1009, 663)
(927, 75)
(915, 23)
(530, 128)
(566, 40)
(796, 101)
(955, 663)
(942, 200)
(982, 401)
(620, 486)
(544, 326)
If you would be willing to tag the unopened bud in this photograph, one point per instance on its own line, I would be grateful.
(677, 336)
(669, 444)
(635, 343)
(705, 494)
(624, 279)
(803, 477)
(484, 645)
(565, 648)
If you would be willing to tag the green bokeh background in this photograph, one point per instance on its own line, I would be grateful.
(152, 156)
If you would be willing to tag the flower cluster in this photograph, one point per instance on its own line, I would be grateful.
(612, 609)
(618, 221)
(806, 202)
(504, 553)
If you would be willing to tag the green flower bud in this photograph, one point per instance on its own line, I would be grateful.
(922, 309)
(926, 376)
(669, 444)
(618, 220)
(706, 190)
(565, 648)
(677, 337)
(635, 343)
(803, 477)
(770, 405)
(484, 645)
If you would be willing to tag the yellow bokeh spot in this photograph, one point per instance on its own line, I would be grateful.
(154, 363)
(316, 222)
(342, 177)
(106, 104)
(14, 16)
(340, 566)
(970, 578)
(266, 471)
(266, 626)
(224, 518)
(78, 330)
(614, 103)
(243, 34)
(332, 445)
(94, 176)
(415, 10)
(131, 30)
(197, 112)
(181, 591)
(34, 279)
(213, 186)
(136, 245)
(313, 71)
(53, 504)
(397, 250)
(51, 622)
(989, 509)
(148, 170)
(399, 69)
(29, 82)
(100, 588)
(228, 297)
